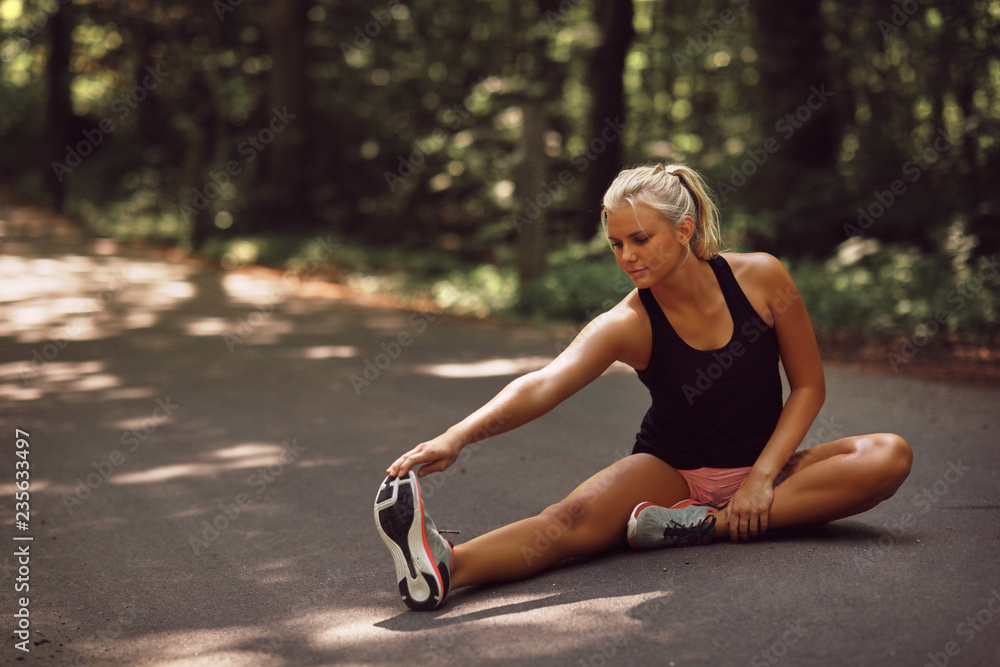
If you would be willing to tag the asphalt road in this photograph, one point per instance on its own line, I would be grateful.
(205, 447)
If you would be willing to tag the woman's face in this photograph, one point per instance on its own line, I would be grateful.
(648, 249)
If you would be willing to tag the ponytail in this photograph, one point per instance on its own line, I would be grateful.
(674, 191)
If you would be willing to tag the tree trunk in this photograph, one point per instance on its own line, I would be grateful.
(197, 206)
(605, 155)
(60, 105)
(799, 184)
(288, 85)
(532, 199)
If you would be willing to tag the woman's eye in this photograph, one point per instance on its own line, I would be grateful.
(642, 240)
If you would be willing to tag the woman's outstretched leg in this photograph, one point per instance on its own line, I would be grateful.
(592, 519)
(836, 480)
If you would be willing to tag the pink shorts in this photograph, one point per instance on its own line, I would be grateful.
(714, 486)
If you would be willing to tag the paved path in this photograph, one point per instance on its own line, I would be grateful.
(203, 468)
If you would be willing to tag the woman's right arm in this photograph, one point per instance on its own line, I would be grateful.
(602, 342)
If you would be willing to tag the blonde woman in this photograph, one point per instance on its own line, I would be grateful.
(704, 331)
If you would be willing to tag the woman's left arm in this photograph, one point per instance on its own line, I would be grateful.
(750, 506)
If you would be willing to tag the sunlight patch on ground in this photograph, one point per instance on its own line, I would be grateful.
(499, 367)
(37, 486)
(255, 290)
(207, 326)
(238, 457)
(325, 352)
(502, 628)
(485, 368)
(73, 297)
(32, 381)
(267, 332)
(232, 645)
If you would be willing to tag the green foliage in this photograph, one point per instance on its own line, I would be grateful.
(481, 291)
(895, 290)
(413, 129)
(138, 216)
(582, 282)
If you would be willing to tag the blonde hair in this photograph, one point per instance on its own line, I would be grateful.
(674, 191)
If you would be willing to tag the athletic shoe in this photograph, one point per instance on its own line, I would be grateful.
(422, 557)
(688, 522)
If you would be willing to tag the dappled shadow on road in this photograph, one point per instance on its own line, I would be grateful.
(200, 441)
(206, 447)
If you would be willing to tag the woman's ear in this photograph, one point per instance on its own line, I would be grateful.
(685, 229)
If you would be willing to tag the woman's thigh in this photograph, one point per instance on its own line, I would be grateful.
(873, 450)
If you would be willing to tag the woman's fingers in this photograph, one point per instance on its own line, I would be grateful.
(433, 457)
(403, 464)
(744, 527)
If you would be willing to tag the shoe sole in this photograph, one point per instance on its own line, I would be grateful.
(399, 518)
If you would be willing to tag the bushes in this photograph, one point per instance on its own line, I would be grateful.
(582, 281)
(886, 291)
(865, 289)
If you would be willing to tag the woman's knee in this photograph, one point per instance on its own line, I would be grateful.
(567, 516)
(890, 459)
(580, 524)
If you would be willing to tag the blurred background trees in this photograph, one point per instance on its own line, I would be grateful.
(485, 132)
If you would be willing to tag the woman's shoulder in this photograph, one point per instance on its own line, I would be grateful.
(758, 268)
(764, 280)
(628, 312)
(629, 322)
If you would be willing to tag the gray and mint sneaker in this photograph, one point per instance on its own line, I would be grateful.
(422, 557)
(688, 522)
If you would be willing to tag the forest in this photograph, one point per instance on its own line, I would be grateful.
(460, 151)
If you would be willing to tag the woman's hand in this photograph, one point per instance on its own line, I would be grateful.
(435, 455)
(749, 509)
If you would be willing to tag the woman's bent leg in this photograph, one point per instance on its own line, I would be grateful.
(592, 519)
(836, 480)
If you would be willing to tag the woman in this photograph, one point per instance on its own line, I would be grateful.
(704, 331)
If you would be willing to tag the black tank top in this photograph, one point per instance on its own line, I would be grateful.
(711, 408)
